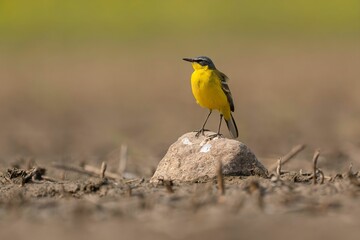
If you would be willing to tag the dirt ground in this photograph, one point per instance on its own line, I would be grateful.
(82, 106)
(83, 207)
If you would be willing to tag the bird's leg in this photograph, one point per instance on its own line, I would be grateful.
(202, 130)
(218, 134)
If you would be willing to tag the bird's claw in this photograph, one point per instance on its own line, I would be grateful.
(201, 131)
(216, 135)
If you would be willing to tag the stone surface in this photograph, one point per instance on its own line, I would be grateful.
(191, 158)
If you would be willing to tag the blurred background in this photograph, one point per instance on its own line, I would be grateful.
(80, 78)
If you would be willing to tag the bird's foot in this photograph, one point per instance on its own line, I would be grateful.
(201, 131)
(216, 135)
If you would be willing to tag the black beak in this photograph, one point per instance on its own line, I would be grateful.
(189, 59)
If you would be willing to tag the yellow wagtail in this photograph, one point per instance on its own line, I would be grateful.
(210, 89)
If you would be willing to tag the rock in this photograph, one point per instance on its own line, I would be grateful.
(191, 158)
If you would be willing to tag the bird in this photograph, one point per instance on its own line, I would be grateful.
(211, 90)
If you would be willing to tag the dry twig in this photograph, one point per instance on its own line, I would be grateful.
(220, 179)
(25, 176)
(292, 153)
(123, 157)
(50, 179)
(315, 158)
(278, 168)
(103, 169)
(322, 176)
(88, 170)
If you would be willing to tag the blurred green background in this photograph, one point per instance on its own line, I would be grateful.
(80, 78)
(82, 20)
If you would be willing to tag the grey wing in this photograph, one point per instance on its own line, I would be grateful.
(226, 89)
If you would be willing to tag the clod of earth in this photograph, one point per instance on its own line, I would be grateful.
(191, 158)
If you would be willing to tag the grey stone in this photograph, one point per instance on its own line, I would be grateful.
(191, 158)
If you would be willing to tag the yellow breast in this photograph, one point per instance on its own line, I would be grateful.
(206, 88)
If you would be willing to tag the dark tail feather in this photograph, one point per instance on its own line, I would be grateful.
(232, 127)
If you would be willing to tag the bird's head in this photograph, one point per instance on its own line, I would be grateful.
(201, 62)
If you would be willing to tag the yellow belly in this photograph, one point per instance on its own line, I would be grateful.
(206, 88)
